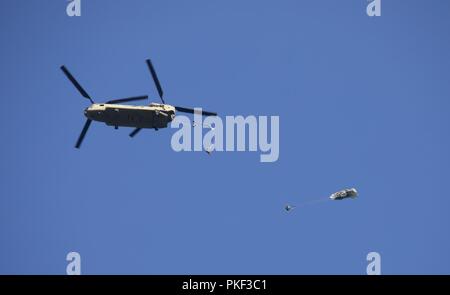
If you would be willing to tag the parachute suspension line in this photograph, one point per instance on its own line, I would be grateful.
(313, 202)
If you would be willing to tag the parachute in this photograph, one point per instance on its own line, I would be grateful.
(351, 193)
(344, 194)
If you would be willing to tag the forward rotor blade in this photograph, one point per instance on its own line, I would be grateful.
(192, 111)
(135, 131)
(155, 79)
(134, 98)
(83, 133)
(75, 83)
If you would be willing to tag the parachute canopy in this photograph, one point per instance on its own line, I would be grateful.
(344, 194)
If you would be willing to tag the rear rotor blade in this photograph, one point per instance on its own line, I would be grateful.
(192, 111)
(135, 131)
(83, 133)
(134, 98)
(155, 79)
(75, 83)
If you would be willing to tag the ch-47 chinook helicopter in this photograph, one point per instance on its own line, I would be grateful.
(153, 116)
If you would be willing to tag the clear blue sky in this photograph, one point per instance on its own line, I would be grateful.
(363, 102)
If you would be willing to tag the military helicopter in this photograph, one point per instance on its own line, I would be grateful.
(153, 116)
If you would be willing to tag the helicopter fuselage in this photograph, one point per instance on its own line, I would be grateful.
(151, 116)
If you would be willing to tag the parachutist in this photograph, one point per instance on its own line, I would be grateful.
(344, 194)
(289, 208)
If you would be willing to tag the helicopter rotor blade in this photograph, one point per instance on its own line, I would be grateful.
(155, 79)
(192, 111)
(83, 133)
(135, 131)
(75, 83)
(121, 100)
